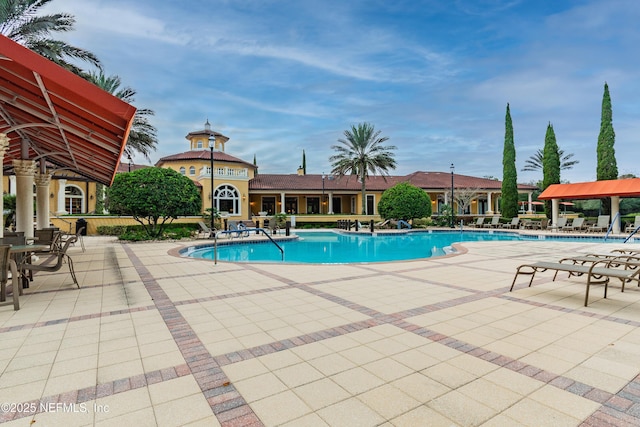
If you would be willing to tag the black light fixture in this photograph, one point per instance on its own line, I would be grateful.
(322, 200)
(212, 142)
(452, 169)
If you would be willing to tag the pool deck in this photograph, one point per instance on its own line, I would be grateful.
(154, 339)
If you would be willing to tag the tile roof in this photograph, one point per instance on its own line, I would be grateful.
(218, 156)
(593, 190)
(425, 180)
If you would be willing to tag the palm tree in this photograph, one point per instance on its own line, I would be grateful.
(534, 163)
(361, 153)
(20, 22)
(143, 135)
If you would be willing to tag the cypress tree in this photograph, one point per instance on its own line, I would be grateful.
(255, 164)
(509, 200)
(304, 163)
(550, 164)
(607, 167)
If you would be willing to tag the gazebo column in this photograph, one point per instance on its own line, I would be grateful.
(489, 203)
(42, 199)
(62, 187)
(24, 170)
(555, 211)
(530, 210)
(4, 145)
(615, 210)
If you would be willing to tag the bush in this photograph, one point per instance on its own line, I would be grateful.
(422, 223)
(404, 201)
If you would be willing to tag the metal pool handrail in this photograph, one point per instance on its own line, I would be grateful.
(244, 230)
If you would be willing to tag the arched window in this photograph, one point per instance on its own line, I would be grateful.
(227, 200)
(183, 171)
(192, 170)
(73, 199)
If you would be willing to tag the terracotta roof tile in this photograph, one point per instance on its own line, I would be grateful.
(425, 180)
(218, 156)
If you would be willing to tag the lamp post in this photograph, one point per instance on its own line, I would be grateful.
(212, 141)
(452, 169)
(322, 200)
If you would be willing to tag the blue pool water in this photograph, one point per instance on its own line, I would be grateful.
(338, 248)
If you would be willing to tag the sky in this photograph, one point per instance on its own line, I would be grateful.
(434, 76)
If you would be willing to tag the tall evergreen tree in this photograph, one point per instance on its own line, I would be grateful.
(509, 201)
(607, 166)
(550, 164)
(255, 164)
(304, 163)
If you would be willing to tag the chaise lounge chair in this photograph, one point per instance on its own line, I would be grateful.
(576, 225)
(479, 222)
(204, 232)
(632, 227)
(602, 225)
(599, 271)
(562, 221)
(515, 223)
(495, 222)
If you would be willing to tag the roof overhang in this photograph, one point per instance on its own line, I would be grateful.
(593, 190)
(49, 112)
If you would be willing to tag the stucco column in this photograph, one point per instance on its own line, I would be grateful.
(446, 198)
(282, 203)
(42, 199)
(331, 202)
(24, 170)
(12, 185)
(62, 187)
(615, 210)
(4, 145)
(530, 210)
(489, 203)
(555, 211)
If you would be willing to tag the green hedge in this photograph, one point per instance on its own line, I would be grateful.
(137, 233)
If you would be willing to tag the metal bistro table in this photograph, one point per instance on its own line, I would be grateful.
(26, 251)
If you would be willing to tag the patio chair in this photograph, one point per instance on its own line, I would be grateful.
(632, 227)
(562, 221)
(576, 225)
(515, 223)
(60, 255)
(8, 265)
(78, 237)
(479, 222)
(601, 225)
(204, 231)
(382, 224)
(495, 222)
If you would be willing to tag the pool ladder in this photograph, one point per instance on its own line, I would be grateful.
(242, 231)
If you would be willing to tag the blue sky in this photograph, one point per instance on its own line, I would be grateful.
(435, 76)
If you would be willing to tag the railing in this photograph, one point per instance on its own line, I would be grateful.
(241, 231)
(611, 226)
(51, 214)
(402, 222)
(632, 233)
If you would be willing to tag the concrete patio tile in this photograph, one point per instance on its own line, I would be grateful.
(388, 369)
(298, 374)
(260, 386)
(421, 387)
(357, 380)
(321, 393)
(350, 413)
(332, 364)
(449, 375)
(388, 401)
(417, 417)
(245, 369)
(462, 409)
(490, 394)
(532, 413)
(565, 402)
(173, 389)
(280, 408)
(142, 417)
(121, 404)
(180, 411)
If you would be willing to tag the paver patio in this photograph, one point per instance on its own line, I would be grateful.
(154, 339)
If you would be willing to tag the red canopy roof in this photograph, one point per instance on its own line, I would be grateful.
(593, 190)
(60, 116)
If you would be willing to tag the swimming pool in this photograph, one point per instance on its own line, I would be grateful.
(343, 248)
